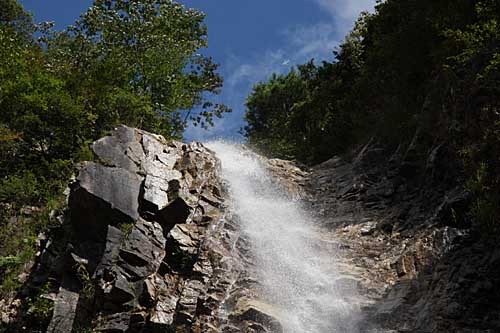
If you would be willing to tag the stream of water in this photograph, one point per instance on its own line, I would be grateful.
(298, 277)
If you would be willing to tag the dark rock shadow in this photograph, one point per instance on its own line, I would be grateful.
(410, 212)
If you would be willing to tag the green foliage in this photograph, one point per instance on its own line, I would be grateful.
(8, 265)
(9, 261)
(131, 62)
(40, 308)
(135, 62)
(486, 204)
(11, 11)
(123, 62)
(485, 211)
(11, 266)
(13, 17)
(305, 114)
(83, 329)
(88, 288)
(269, 113)
(126, 228)
(28, 188)
(85, 153)
(18, 241)
(414, 66)
(19, 189)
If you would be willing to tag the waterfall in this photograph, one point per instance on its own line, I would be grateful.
(295, 267)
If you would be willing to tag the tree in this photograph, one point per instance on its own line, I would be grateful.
(474, 107)
(136, 62)
(416, 71)
(13, 15)
(269, 112)
(308, 114)
(131, 62)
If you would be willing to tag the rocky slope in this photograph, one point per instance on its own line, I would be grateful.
(145, 245)
(407, 241)
(148, 244)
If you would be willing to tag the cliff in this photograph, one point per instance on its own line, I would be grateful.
(149, 243)
(142, 246)
(408, 241)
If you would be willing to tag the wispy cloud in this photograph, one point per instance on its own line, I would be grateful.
(255, 69)
(345, 12)
(315, 41)
(346, 9)
(299, 44)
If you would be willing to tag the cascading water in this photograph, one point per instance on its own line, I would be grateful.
(297, 276)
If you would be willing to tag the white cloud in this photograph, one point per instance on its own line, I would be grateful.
(346, 9)
(256, 69)
(300, 44)
(315, 41)
(345, 12)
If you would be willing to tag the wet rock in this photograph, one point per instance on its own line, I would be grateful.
(453, 209)
(154, 193)
(103, 196)
(289, 176)
(212, 196)
(113, 241)
(368, 229)
(164, 311)
(175, 213)
(117, 290)
(188, 301)
(163, 293)
(424, 270)
(405, 266)
(259, 312)
(8, 311)
(144, 242)
(158, 157)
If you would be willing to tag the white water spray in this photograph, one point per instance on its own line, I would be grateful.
(298, 276)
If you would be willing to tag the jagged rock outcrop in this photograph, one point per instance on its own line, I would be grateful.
(146, 247)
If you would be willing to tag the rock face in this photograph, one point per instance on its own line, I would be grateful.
(407, 241)
(148, 241)
(148, 244)
(258, 312)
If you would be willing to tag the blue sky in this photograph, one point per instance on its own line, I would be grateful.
(250, 39)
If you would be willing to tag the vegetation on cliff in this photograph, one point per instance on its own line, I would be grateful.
(414, 72)
(123, 62)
